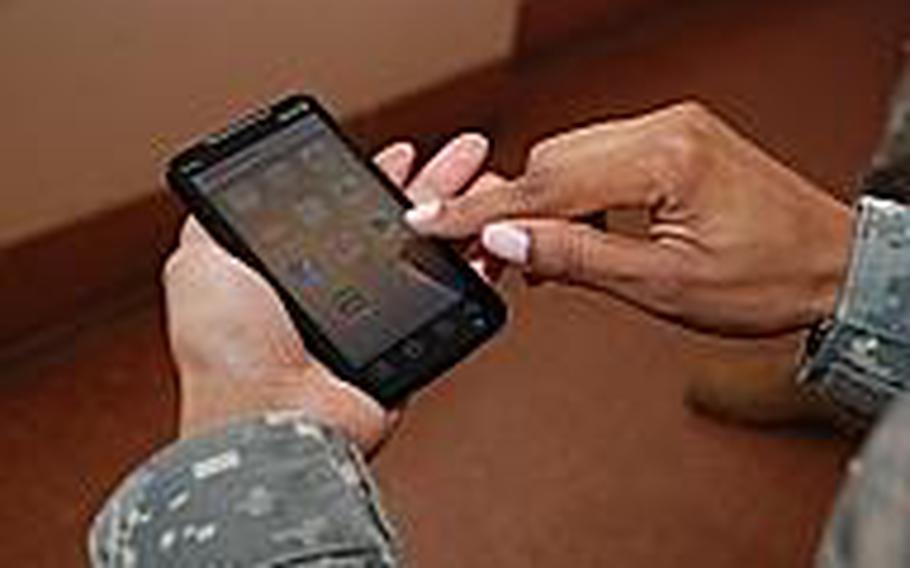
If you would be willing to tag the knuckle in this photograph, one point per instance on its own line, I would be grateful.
(180, 263)
(684, 144)
(191, 232)
(575, 256)
(174, 266)
(692, 111)
(538, 190)
(186, 232)
(544, 150)
(527, 195)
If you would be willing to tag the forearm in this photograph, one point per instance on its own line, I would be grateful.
(277, 490)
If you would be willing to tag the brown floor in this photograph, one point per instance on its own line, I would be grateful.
(565, 443)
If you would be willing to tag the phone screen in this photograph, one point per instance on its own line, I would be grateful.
(326, 227)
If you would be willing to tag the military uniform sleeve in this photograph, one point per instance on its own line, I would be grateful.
(871, 521)
(274, 491)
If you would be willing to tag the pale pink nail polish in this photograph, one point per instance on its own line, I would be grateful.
(423, 213)
(508, 242)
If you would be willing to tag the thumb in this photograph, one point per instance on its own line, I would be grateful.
(579, 254)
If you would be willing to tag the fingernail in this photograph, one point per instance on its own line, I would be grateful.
(423, 213)
(476, 141)
(507, 242)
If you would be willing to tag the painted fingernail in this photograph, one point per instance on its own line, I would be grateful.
(508, 242)
(423, 213)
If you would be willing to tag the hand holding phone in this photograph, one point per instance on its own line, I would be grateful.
(382, 308)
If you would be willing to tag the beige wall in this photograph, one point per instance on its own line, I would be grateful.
(97, 93)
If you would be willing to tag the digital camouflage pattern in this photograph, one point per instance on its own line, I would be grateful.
(277, 491)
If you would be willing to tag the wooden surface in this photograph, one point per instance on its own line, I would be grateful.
(566, 442)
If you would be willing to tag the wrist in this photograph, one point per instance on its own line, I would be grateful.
(209, 402)
(858, 363)
(831, 263)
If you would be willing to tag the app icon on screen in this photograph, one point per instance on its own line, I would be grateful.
(383, 222)
(303, 273)
(282, 179)
(312, 211)
(350, 187)
(349, 302)
(346, 247)
(243, 198)
(269, 227)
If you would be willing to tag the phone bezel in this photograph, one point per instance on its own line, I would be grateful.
(258, 126)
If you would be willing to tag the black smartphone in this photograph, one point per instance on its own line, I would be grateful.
(286, 191)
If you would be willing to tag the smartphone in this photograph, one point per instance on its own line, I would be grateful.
(287, 192)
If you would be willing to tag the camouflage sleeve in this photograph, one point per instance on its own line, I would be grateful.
(275, 491)
(859, 360)
(871, 522)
